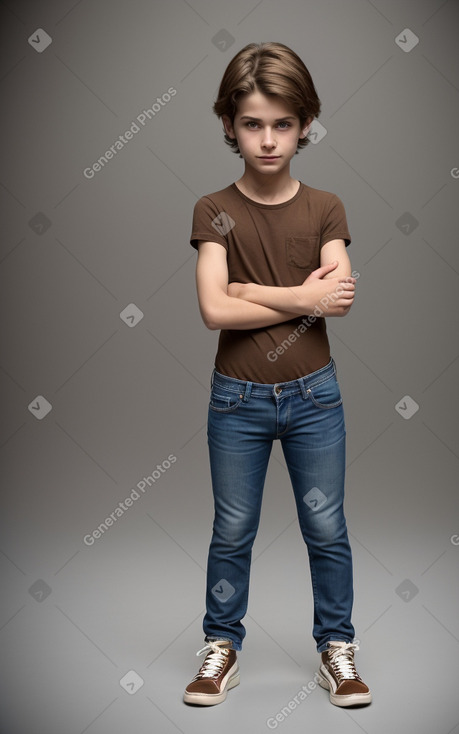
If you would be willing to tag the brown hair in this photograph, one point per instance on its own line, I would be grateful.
(270, 68)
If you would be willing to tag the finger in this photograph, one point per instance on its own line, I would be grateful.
(345, 288)
(324, 269)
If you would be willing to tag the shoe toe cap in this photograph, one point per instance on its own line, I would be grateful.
(350, 687)
(202, 686)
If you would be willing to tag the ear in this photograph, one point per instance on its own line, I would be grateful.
(306, 128)
(228, 126)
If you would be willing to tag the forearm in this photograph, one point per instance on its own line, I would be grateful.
(235, 313)
(333, 295)
(281, 298)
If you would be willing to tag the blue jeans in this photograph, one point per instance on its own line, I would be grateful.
(306, 415)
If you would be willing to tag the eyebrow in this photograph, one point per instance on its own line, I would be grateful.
(258, 119)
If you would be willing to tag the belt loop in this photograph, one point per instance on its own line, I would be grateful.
(248, 390)
(304, 393)
(212, 379)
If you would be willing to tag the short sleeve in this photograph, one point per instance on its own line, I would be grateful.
(334, 224)
(209, 223)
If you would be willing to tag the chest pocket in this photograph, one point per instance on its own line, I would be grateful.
(303, 252)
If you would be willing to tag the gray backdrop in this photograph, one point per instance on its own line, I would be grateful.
(105, 365)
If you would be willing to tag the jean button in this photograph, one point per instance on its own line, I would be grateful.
(277, 390)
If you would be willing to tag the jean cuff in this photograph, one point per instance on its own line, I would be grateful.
(236, 644)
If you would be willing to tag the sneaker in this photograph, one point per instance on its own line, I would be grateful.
(218, 673)
(337, 673)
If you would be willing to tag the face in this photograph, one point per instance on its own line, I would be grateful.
(267, 131)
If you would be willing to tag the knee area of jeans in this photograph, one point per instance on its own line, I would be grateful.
(328, 535)
(233, 544)
(238, 520)
(234, 536)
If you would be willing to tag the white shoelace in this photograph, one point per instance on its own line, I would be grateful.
(214, 662)
(342, 661)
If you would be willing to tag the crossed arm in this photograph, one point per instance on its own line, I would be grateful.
(253, 306)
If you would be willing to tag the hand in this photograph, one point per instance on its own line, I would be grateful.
(334, 296)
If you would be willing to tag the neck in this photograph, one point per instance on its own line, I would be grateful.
(267, 189)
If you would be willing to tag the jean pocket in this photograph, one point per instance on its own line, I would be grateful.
(326, 394)
(221, 403)
(303, 252)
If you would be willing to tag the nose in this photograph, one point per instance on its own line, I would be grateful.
(268, 140)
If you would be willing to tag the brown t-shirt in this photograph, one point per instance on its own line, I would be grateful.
(277, 245)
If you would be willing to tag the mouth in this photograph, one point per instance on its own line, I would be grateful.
(268, 157)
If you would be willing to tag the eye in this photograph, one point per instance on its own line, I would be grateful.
(283, 124)
(252, 125)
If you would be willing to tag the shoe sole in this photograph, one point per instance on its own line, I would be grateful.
(353, 699)
(211, 699)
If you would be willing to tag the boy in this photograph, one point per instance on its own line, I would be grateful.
(272, 262)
